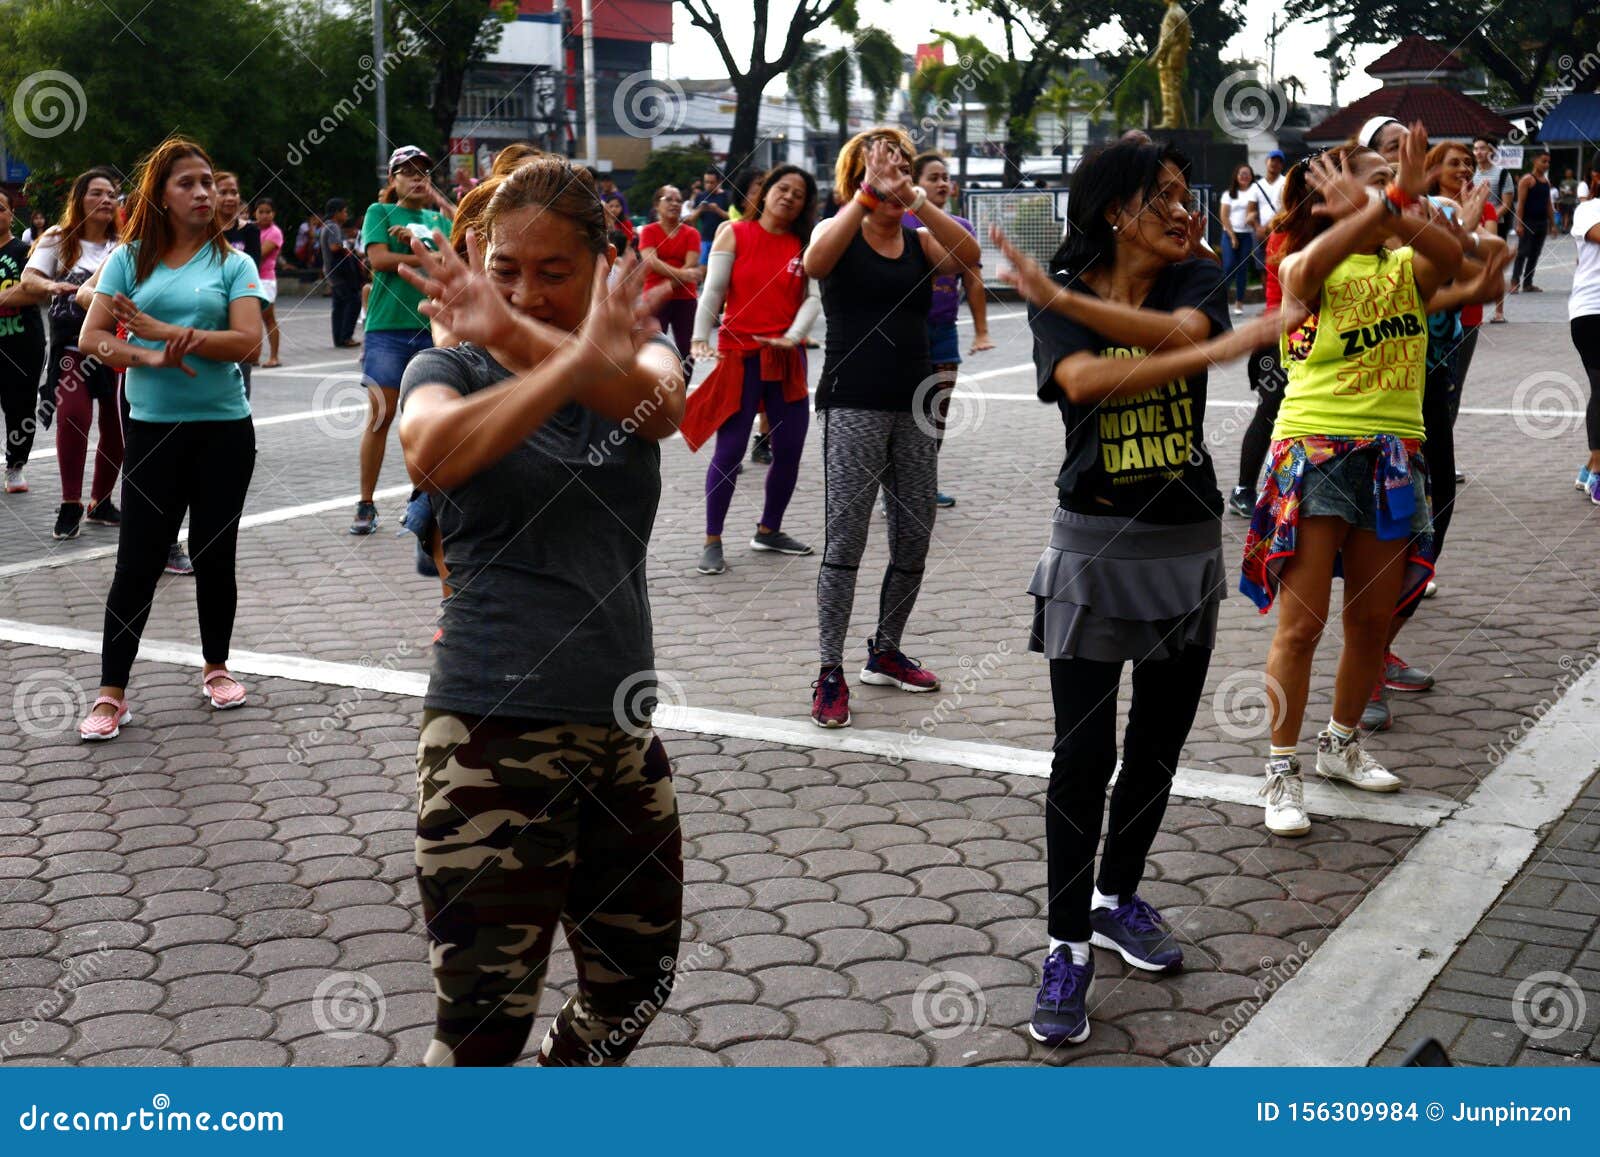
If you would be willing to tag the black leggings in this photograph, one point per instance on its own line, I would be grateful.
(1529, 247)
(170, 466)
(21, 359)
(1165, 697)
(1586, 336)
(1267, 379)
(1439, 449)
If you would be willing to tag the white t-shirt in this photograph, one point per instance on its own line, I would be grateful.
(1236, 206)
(91, 255)
(1585, 299)
(1268, 197)
(1583, 190)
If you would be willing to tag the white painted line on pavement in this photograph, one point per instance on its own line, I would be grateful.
(1191, 783)
(1366, 977)
(289, 370)
(262, 518)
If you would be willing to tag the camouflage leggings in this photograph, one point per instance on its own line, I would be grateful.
(520, 825)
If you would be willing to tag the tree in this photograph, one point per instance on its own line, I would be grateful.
(871, 57)
(679, 165)
(1521, 45)
(937, 89)
(454, 35)
(751, 81)
(1077, 92)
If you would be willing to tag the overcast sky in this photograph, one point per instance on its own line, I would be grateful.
(910, 22)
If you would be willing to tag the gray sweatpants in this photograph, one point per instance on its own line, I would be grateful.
(861, 450)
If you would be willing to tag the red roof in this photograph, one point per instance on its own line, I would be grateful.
(1416, 54)
(1444, 111)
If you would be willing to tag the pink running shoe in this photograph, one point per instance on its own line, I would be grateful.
(223, 690)
(890, 668)
(95, 728)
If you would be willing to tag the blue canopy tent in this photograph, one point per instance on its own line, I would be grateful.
(1575, 122)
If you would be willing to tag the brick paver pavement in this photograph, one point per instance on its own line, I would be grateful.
(227, 879)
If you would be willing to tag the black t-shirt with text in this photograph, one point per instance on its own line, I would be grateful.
(18, 323)
(1139, 456)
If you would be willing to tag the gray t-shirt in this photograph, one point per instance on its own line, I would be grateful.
(549, 614)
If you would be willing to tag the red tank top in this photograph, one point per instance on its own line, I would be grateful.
(765, 288)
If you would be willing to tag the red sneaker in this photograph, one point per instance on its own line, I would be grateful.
(891, 668)
(830, 701)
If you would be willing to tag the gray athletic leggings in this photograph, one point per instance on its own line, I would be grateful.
(862, 449)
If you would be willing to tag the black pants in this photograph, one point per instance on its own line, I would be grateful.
(1165, 697)
(1464, 352)
(1529, 246)
(204, 467)
(1268, 380)
(21, 360)
(1586, 336)
(346, 308)
(1439, 448)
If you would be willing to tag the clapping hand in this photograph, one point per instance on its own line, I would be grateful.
(460, 296)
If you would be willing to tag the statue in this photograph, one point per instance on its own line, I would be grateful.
(1171, 56)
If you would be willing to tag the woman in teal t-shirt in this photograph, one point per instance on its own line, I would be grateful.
(192, 308)
(395, 331)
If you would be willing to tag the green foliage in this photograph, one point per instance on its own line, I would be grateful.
(679, 165)
(871, 59)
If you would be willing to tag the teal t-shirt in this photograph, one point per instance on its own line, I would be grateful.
(197, 295)
(393, 303)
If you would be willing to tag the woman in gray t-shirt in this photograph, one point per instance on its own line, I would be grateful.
(545, 796)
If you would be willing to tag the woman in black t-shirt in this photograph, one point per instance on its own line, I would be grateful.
(877, 289)
(21, 351)
(1123, 336)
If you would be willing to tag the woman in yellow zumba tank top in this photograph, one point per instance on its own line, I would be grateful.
(1347, 488)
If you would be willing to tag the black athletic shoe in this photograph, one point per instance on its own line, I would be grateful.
(104, 513)
(1137, 933)
(761, 452)
(366, 518)
(178, 562)
(1060, 1012)
(1242, 502)
(68, 519)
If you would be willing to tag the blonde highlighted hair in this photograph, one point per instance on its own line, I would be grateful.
(851, 167)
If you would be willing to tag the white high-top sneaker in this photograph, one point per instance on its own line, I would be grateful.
(1285, 792)
(1346, 760)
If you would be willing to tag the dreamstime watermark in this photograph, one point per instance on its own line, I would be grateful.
(1572, 669)
(1244, 105)
(949, 1004)
(1573, 75)
(640, 696)
(1278, 973)
(643, 410)
(973, 73)
(49, 103)
(48, 702)
(366, 84)
(973, 673)
(341, 405)
(627, 1031)
(354, 697)
(1548, 404)
(646, 105)
(1547, 1004)
(347, 1004)
(940, 412)
(75, 972)
(1248, 703)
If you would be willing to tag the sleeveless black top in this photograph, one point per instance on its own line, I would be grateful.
(876, 353)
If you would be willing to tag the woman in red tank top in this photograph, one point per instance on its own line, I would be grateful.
(754, 279)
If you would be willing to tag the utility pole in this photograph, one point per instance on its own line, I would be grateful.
(382, 90)
(558, 141)
(1333, 63)
(1272, 44)
(591, 135)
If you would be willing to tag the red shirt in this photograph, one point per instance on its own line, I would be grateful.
(765, 288)
(672, 248)
(1273, 289)
(1473, 314)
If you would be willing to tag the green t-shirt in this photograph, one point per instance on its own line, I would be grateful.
(393, 303)
(196, 294)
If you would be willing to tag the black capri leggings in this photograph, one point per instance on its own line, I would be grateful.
(203, 467)
(1268, 380)
(1165, 697)
(1586, 336)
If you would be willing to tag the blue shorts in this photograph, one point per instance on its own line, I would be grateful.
(387, 352)
(1344, 488)
(944, 344)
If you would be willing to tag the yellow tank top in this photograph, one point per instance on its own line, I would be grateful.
(1356, 368)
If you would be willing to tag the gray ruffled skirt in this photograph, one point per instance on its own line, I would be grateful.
(1112, 589)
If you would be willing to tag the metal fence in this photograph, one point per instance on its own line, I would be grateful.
(1036, 220)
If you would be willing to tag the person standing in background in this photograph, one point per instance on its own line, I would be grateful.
(21, 351)
(342, 271)
(707, 210)
(271, 249)
(1266, 196)
(1532, 223)
(241, 234)
(1237, 236)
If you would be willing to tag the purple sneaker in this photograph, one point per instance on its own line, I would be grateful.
(1137, 933)
(1060, 1011)
(891, 668)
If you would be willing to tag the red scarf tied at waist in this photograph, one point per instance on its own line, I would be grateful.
(719, 397)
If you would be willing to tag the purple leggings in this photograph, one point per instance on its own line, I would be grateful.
(788, 439)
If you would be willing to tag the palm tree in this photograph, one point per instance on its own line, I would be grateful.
(870, 58)
(1076, 92)
(950, 87)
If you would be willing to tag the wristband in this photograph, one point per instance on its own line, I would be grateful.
(919, 200)
(1398, 197)
(868, 198)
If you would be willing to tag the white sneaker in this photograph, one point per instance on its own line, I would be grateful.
(1285, 792)
(1347, 760)
(1430, 590)
(1238, 310)
(15, 482)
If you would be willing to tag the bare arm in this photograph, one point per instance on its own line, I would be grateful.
(382, 259)
(830, 238)
(241, 341)
(946, 242)
(1087, 379)
(978, 305)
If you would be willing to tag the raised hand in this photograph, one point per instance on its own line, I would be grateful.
(1472, 206)
(461, 297)
(1412, 174)
(1343, 193)
(1024, 273)
(607, 341)
(889, 172)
